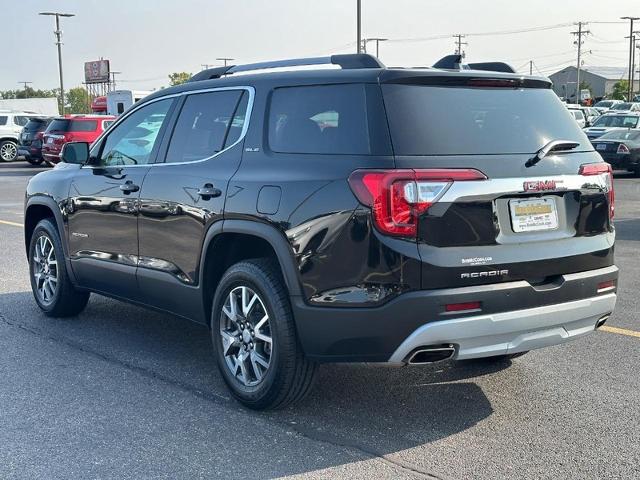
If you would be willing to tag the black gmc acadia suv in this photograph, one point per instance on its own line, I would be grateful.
(360, 214)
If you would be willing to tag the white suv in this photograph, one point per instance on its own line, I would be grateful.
(11, 124)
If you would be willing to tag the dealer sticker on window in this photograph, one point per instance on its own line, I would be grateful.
(533, 215)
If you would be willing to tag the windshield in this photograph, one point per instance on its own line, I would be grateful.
(625, 121)
(604, 103)
(632, 135)
(435, 120)
(623, 106)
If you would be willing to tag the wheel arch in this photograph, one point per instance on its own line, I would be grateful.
(37, 209)
(232, 241)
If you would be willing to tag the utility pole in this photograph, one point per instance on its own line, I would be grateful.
(579, 43)
(530, 67)
(113, 79)
(58, 34)
(359, 27)
(374, 39)
(459, 44)
(631, 20)
(25, 84)
(225, 60)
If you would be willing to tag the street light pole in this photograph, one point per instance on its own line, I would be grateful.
(359, 28)
(58, 34)
(631, 20)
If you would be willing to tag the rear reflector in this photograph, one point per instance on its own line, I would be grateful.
(602, 168)
(460, 307)
(398, 197)
(606, 286)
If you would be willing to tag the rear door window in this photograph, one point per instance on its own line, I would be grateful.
(328, 119)
(20, 120)
(208, 123)
(437, 120)
(84, 125)
(3, 120)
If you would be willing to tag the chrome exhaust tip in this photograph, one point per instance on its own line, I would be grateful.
(601, 321)
(426, 355)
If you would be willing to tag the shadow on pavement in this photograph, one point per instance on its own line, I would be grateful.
(378, 411)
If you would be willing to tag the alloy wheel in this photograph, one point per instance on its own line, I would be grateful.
(245, 332)
(8, 151)
(45, 269)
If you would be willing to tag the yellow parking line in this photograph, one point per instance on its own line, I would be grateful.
(13, 224)
(620, 331)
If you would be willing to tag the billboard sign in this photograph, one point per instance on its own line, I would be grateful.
(96, 72)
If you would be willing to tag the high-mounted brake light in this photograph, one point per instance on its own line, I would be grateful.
(398, 197)
(604, 169)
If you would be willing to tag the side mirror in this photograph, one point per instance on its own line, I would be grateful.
(75, 152)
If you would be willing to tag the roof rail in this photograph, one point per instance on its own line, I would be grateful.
(454, 62)
(347, 61)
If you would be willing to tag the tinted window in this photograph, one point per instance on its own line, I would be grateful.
(621, 135)
(20, 120)
(59, 125)
(205, 121)
(623, 106)
(131, 142)
(3, 120)
(428, 120)
(83, 126)
(603, 104)
(616, 121)
(328, 119)
(35, 124)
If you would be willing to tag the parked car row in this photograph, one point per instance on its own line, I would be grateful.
(616, 137)
(11, 125)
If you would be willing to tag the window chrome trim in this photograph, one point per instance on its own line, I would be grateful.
(245, 127)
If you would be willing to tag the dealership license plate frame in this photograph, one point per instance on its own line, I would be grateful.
(534, 222)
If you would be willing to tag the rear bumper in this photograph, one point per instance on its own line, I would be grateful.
(514, 316)
(620, 161)
(511, 332)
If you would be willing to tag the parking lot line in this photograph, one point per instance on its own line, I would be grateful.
(620, 331)
(13, 224)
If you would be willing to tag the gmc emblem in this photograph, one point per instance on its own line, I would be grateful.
(539, 185)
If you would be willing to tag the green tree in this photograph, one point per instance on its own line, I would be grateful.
(178, 78)
(620, 90)
(77, 101)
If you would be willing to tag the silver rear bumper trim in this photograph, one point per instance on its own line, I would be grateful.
(510, 332)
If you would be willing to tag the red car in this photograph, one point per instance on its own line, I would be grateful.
(72, 128)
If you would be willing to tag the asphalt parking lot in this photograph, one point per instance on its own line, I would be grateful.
(121, 392)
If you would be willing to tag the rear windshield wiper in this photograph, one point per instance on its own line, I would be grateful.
(552, 146)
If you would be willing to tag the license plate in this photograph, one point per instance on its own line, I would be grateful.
(49, 140)
(601, 146)
(533, 215)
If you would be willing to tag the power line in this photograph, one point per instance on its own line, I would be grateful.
(631, 20)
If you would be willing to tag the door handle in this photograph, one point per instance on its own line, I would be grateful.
(209, 191)
(129, 187)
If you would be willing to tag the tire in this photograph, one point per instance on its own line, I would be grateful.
(8, 151)
(56, 298)
(241, 351)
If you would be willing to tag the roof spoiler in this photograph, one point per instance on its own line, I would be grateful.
(347, 61)
(454, 62)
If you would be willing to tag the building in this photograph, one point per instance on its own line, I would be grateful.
(600, 79)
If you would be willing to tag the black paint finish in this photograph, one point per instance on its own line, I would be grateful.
(354, 291)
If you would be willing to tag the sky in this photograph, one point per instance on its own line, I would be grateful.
(148, 39)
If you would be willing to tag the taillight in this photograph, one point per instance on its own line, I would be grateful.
(605, 170)
(398, 197)
(623, 148)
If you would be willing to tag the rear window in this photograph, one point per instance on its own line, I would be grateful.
(20, 120)
(622, 135)
(604, 104)
(428, 120)
(68, 125)
(328, 119)
(35, 124)
(624, 121)
(622, 106)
